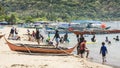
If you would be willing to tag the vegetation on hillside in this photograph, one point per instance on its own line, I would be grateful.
(59, 10)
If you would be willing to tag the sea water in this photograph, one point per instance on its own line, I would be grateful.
(113, 56)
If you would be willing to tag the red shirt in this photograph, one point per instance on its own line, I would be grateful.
(83, 46)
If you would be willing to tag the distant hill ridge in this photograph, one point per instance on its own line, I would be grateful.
(65, 10)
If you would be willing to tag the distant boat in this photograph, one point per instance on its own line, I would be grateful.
(95, 32)
(61, 27)
(3, 23)
(91, 24)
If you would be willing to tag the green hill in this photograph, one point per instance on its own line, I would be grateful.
(62, 10)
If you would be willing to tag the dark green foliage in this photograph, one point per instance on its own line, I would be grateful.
(65, 10)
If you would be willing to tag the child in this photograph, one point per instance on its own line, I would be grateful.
(103, 51)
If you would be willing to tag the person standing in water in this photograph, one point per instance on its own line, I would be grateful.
(57, 37)
(83, 49)
(65, 39)
(93, 39)
(106, 40)
(80, 40)
(103, 51)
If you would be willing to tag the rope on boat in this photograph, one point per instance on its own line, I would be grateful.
(66, 51)
(27, 48)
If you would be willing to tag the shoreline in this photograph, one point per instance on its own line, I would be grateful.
(12, 59)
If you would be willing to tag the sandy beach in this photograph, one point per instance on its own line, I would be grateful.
(12, 59)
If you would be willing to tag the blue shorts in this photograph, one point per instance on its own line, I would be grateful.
(57, 40)
(103, 54)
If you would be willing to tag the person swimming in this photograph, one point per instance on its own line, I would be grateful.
(117, 38)
(106, 40)
(93, 39)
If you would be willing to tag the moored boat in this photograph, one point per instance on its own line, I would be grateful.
(24, 48)
(95, 32)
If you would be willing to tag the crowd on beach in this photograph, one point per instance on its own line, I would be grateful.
(35, 35)
(81, 41)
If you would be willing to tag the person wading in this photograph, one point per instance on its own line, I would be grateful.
(57, 37)
(80, 40)
(103, 51)
(82, 49)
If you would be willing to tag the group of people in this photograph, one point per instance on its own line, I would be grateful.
(39, 37)
(81, 48)
(60, 39)
(13, 34)
(117, 38)
(109, 42)
(35, 36)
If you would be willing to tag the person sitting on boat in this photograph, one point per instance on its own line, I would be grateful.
(57, 37)
(93, 39)
(83, 49)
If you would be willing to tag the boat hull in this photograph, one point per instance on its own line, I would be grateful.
(23, 48)
(96, 32)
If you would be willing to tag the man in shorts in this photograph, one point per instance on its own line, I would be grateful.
(83, 49)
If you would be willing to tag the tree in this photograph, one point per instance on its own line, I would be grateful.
(12, 19)
(1, 10)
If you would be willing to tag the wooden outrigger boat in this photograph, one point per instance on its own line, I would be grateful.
(95, 32)
(29, 49)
